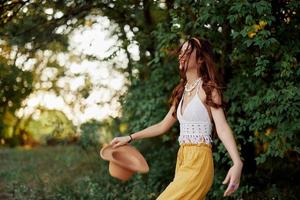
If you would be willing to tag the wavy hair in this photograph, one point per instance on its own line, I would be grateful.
(207, 71)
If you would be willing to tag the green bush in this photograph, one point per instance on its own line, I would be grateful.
(90, 134)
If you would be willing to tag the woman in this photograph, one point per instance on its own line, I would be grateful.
(197, 103)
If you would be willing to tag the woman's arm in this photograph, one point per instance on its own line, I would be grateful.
(226, 136)
(224, 131)
(151, 131)
(157, 129)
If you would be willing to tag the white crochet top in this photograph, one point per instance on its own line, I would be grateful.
(195, 124)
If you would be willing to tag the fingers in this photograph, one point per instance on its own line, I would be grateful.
(113, 141)
(228, 190)
(225, 182)
(232, 186)
(116, 142)
(116, 145)
(226, 179)
(233, 177)
(119, 144)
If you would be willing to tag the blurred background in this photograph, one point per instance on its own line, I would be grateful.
(74, 74)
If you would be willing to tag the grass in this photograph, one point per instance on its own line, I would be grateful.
(69, 172)
(43, 169)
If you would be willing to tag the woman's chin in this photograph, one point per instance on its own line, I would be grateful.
(189, 69)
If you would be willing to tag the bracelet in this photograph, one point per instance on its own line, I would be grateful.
(130, 139)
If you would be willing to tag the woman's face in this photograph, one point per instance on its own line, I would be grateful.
(183, 56)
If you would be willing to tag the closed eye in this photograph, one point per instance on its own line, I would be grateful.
(186, 53)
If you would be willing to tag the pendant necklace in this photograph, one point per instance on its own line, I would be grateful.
(189, 90)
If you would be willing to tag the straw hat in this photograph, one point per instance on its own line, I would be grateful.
(124, 160)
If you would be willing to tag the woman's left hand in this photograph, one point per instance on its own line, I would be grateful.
(233, 177)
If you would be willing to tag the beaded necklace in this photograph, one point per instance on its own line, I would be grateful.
(189, 90)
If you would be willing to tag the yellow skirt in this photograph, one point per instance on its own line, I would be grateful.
(194, 173)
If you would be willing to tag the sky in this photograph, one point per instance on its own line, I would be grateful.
(94, 40)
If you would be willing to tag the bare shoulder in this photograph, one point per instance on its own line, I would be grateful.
(218, 113)
(216, 97)
(201, 93)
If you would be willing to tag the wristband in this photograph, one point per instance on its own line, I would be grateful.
(130, 139)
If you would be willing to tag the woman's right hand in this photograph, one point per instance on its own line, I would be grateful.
(118, 141)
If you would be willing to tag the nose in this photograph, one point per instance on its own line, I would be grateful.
(181, 57)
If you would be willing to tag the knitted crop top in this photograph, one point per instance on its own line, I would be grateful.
(195, 124)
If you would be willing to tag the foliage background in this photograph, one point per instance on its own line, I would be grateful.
(256, 45)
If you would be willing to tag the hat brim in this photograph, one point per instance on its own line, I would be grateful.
(126, 156)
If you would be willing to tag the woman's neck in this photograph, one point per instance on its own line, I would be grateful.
(192, 76)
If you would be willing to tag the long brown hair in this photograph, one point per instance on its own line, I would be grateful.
(207, 71)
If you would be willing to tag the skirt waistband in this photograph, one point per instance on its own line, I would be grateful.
(198, 144)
